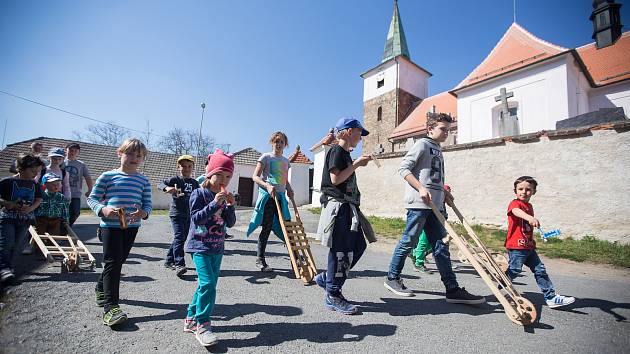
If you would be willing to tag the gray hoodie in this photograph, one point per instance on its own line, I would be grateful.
(425, 161)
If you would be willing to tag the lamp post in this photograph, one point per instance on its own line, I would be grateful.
(203, 108)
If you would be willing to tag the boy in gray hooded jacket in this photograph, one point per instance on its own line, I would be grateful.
(423, 170)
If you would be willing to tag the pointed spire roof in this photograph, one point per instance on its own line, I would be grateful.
(396, 43)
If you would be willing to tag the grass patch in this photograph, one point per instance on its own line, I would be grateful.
(587, 249)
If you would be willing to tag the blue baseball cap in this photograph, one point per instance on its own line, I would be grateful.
(350, 122)
(50, 177)
(56, 152)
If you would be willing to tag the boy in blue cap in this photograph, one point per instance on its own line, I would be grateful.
(54, 209)
(342, 225)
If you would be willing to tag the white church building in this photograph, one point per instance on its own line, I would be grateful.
(524, 85)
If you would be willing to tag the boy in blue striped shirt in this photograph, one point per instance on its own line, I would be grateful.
(123, 192)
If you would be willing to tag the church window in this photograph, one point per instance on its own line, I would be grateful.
(380, 83)
(379, 114)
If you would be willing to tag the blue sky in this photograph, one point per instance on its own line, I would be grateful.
(259, 66)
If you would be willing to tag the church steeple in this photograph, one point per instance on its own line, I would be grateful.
(396, 43)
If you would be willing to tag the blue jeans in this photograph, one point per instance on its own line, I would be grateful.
(175, 253)
(208, 267)
(12, 239)
(530, 258)
(75, 210)
(417, 220)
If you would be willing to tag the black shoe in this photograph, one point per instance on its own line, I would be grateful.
(461, 296)
(169, 265)
(262, 265)
(180, 270)
(228, 236)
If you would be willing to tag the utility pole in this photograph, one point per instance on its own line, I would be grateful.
(203, 109)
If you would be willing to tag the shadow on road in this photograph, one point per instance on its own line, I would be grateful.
(582, 303)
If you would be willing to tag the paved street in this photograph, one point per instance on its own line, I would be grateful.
(260, 312)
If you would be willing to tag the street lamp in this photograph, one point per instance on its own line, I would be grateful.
(203, 108)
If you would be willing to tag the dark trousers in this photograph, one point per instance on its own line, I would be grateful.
(116, 246)
(75, 209)
(270, 212)
(347, 248)
(12, 239)
(45, 224)
(175, 253)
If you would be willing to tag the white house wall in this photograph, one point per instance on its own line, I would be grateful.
(388, 73)
(299, 178)
(577, 89)
(541, 94)
(411, 79)
(616, 95)
(318, 166)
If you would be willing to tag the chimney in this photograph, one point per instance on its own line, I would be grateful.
(606, 22)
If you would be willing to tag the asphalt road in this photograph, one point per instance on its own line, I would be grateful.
(261, 312)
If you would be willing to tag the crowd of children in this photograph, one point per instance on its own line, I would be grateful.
(47, 194)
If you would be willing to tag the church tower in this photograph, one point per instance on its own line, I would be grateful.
(391, 90)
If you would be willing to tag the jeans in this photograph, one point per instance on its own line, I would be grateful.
(12, 240)
(117, 244)
(75, 210)
(417, 220)
(530, 258)
(347, 248)
(208, 267)
(175, 254)
(267, 222)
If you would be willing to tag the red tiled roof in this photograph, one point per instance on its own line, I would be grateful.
(444, 102)
(610, 64)
(516, 49)
(298, 157)
(329, 139)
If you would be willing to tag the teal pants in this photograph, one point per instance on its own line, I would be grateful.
(208, 268)
(422, 249)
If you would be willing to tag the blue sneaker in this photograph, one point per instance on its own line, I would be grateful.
(320, 279)
(340, 304)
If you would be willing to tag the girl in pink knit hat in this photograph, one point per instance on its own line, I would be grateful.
(211, 210)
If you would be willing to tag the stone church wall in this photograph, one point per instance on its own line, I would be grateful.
(583, 176)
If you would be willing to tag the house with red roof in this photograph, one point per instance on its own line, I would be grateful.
(524, 85)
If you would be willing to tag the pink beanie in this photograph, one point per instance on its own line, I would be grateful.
(219, 161)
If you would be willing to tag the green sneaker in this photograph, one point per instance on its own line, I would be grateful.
(100, 298)
(114, 316)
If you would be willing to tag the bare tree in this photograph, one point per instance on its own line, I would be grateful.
(103, 134)
(179, 141)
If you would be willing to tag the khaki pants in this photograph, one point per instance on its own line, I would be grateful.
(45, 224)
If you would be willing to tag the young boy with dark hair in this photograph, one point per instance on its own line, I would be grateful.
(78, 171)
(342, 225)
(423, 170)
(121, 197)
(521, 245)
(180, 187)
(20, 195)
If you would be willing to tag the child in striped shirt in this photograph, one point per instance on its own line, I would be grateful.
(123, 192)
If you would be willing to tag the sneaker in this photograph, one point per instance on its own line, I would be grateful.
(28, 250)
(461, 296)
(262, 265)
(114, 316)
(169, 265)
(320, 279)
(190, 325)
(180, 270)
(397, 287)
(228, 236)
(340, 304)
(205, 336)
(100, 298)
(6, 275)
(559, 301)
(422, 269)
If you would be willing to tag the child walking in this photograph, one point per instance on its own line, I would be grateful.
(180, 187)
(342, 226)
(123, 190)
(423, 170)
(521, 245)
(19, 197)
(272, 176)
(211, 211)
(53, 211)
(78, 171)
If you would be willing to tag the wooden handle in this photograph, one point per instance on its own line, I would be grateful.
(121, 218)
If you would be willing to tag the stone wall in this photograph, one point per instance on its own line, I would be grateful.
(380, 130)
(583, 176)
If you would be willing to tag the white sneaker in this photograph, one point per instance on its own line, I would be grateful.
(559, 300)
(204, 335)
